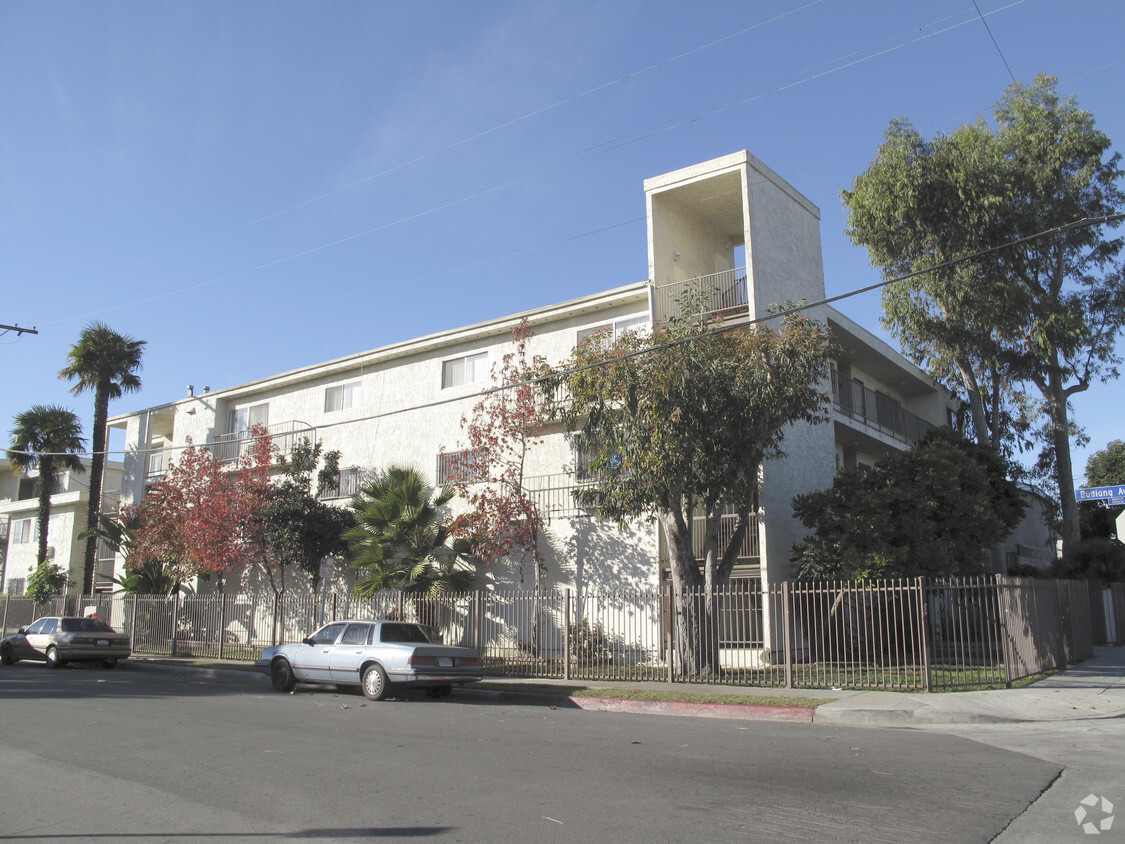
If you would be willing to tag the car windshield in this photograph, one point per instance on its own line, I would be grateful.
(406, 633)
(85, 625)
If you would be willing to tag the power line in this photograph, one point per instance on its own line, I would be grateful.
(775, 315)
(809, 74)
(995, 43)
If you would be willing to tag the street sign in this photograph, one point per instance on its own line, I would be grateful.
(327, 568)
(1109, 494)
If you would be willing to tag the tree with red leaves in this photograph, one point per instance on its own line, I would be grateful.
(503, 521)
(204, 519)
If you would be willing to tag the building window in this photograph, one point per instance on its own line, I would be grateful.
(459, 467)
(341, 397)
(24, 531)
(244, 418)
(617, 329)
(464, 370)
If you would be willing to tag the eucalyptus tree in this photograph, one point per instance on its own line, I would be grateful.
(676, 425)
(1034, 319)
(105, 363)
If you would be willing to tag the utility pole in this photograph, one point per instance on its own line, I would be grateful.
(4, 329)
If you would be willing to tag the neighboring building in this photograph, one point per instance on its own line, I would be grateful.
(19, 525)
(731, 228)
(1034, 542)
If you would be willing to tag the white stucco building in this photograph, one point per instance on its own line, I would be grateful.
(19, 524)
(732, 228)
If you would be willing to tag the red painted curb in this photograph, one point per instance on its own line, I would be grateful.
(756, 712)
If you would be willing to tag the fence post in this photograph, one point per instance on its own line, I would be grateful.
(786, 636)
(4, 623)
(566, 634)
(175, 621)
(924, 630)
(133, 625)
(1006, 640)
(669, 635)
(222, 621)
(478, 621)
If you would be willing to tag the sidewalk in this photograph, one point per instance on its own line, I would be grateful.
(1093, 689)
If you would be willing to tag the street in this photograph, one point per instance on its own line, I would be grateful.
(140, 756)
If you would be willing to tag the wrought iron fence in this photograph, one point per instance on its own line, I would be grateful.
(899, 635)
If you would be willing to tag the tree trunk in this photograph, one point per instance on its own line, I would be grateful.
(1064, 469)
(695, 604)
(46, 482)
(97, 468)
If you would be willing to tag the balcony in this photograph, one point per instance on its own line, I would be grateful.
(346, 487)
(874, 410)
(724, 294)
(230, 448)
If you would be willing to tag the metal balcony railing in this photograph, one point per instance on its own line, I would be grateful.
(876, 410)
(230, 448)
(723, 294)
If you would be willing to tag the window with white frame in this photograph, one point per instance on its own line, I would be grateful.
(341, 397)
(244, 418)
(24, 531)
(464, 370)
(617, 329)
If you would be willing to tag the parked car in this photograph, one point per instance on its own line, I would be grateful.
(59, 640)
(373, 655)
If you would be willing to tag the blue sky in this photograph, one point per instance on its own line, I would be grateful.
(253, 187)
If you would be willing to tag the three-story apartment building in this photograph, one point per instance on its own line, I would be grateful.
(730, 228)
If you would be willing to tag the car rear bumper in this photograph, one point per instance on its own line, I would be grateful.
(436, 678)
(77, 652)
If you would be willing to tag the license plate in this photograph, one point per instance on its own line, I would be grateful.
(103, 643)
(445, 661)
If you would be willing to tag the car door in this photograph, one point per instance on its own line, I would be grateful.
(349, 653)
(40, 636)
(22, 643)
(313, 661)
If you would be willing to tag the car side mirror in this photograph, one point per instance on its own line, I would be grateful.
(22, 630)
(308, 640)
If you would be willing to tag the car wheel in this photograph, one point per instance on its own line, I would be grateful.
(109, 663)
(53, 660)
(439, 691)
(374, 683)
(7, 657)
(281, 676)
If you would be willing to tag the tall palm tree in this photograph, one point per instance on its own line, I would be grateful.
(47, 437)
(106, 363)
(402, 537)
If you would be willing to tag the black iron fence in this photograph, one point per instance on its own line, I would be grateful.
(908, 635)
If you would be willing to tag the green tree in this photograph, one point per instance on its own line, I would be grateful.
(299, 528)
(1040, 317)
(1103, 468)
(48, 437)
(402, 539)
(676, 425)
(105, 363)
(933, 510)
(1107, 467)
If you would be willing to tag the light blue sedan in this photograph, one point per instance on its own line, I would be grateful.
(374, 655)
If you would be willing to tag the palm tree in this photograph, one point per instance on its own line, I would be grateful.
(47, 437)
(402, 537)
(105, 363)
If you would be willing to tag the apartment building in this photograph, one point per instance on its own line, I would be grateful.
(19, 525)
(731, 229)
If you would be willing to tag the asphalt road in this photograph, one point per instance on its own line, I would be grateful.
(89, 754)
